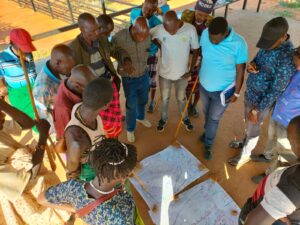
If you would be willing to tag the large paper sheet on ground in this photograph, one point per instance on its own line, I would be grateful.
(167, 173)
(204, 204)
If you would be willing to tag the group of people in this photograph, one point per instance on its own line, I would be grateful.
(77, 98)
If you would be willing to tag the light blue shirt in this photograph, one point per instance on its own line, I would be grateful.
(218, 68)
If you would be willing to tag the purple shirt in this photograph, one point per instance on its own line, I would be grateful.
(288, 105)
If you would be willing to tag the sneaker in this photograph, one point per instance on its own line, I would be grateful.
(151, 107)
(260, 158)
(195, 112)
(130, 136)
(239, 160)
(208, 153)
(161, 125)
(145, 123)
(188, 125)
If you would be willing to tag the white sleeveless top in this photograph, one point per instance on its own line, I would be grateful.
(93, 134)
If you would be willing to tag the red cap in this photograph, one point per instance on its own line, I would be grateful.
(22, 39)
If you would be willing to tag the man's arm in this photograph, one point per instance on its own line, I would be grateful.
(117, 52)
(239, 80)
(74, 150)
(259, 216)
(25, 121)
(157, 43)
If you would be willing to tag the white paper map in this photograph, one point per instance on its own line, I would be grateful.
(167, 173)
(204, 204)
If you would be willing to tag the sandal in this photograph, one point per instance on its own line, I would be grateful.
(236, 144)
(260, 158)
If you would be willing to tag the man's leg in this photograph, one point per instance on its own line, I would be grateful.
(180, 88)
(165, 91)
(142, 99)
(252, 136)
(152, 66)
(129, 86)
(214, 114)
(205, 107)
(270, 149)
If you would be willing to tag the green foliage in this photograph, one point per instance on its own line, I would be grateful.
(284, 13)
(295, 4)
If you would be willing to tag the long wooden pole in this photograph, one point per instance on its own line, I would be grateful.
(185, 109)
(51, 160)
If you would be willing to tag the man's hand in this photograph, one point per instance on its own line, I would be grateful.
(3, 91)
(186, 75)
(126, 68)
(232, 99)
(43, 127)
(252, 68)
(253, 116)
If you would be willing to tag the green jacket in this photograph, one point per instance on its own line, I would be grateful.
(106, 50)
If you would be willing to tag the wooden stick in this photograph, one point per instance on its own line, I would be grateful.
(157, 103)
(52, 163)
(139, 181)
(184, 111)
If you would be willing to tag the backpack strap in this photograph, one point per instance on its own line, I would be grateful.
(88, 208)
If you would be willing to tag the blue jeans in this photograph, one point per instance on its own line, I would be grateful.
(213, 111)
(136, 92)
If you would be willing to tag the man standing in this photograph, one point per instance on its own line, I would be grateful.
(12, 74)
(85, 128)
(94, 50)
(224, 54)
(269, 74)
(200, 18)
(278, 149)
(46, 84)
(136, 41)
(175, 39)
(69, 94)
(148, 11)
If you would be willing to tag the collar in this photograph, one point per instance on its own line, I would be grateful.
(230, 36)
(90, 49)
(49, 73)
(74, 98)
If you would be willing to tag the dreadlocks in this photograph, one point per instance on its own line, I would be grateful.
(112, 159)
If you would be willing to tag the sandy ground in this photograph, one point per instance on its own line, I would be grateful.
(236, 182)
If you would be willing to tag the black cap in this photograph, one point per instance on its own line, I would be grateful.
(273, 30)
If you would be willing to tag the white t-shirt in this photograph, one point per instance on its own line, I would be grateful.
(175, 50)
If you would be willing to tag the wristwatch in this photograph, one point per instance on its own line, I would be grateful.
(254, 111)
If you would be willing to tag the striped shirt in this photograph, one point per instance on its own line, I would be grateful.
(11, 69)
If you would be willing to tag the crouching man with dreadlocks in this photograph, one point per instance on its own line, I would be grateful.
(98, 201)
(85, 128)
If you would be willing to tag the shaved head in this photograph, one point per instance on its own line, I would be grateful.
(62, 59)
(81, 75)
(171, 22)
(140, 29)
(89, 27)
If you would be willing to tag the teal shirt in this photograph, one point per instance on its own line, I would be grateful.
(218, 67)
(153, 21)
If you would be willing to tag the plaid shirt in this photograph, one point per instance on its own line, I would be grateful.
(112, 116)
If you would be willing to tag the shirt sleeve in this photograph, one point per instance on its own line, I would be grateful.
(60, 194)
(277, 204)
(283, 72)
(195, 39)
(203, 36)
(242, 52)
(133, 15)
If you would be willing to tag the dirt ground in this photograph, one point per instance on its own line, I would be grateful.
(235, 181)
